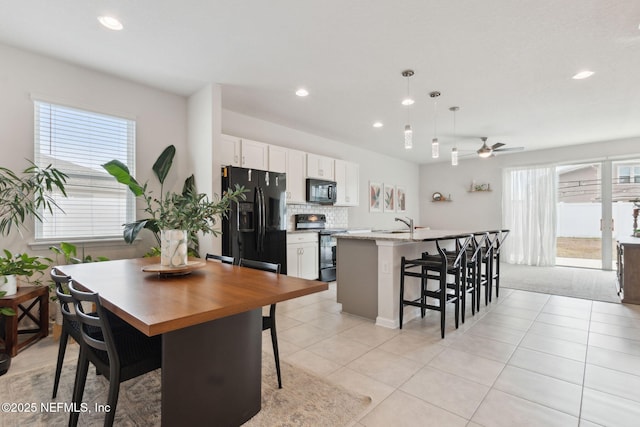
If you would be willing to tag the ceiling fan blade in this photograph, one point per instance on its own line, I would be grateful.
(509, 149)
(497, 145)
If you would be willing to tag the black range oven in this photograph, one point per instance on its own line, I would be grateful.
(326, 242)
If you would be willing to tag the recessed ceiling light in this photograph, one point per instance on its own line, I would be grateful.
(583, 75)
(110, 22)
(378, 125)
(407, 101)
(302, 92)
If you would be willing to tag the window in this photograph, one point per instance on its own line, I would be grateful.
(78, 142)
(628, 174)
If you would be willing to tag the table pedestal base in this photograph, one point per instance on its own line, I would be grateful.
(212, 372)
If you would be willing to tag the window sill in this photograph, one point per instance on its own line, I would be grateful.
(86, 243)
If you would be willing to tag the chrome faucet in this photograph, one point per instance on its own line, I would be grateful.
(408, 222)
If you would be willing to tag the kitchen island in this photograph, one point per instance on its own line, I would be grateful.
(368, 270)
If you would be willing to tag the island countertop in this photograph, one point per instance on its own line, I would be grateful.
(419, 235)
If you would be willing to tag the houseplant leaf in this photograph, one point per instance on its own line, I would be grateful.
(121, 173)
(163, 164)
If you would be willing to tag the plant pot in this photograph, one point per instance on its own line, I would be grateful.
(173, 248)
(9, 284)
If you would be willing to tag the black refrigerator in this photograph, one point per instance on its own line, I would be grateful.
(256, 228)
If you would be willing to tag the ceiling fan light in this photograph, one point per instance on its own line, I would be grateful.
(484, 153)
(435, 148)
(408, 137)
(454, 156)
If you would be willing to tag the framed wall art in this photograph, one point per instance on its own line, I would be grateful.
(401, 199)
(389, 198)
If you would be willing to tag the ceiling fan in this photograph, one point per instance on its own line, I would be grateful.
(488, 151)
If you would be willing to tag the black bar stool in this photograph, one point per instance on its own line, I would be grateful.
(473, 273)
(436, 267)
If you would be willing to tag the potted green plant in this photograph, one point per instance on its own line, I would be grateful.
(23, 196)
(181, 215)
(23, 265)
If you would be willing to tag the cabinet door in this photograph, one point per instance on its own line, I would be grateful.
(320, 167)
(296, 189)
(352, 184)
(255, 155)
(278, 159)
(308, 261)
(347, 183)
(229, 151)
(292, 260)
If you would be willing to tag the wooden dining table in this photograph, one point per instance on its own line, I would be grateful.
(211, 326)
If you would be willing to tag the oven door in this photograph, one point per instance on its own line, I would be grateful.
(327, 255)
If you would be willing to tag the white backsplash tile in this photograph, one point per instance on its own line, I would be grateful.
(337, 217)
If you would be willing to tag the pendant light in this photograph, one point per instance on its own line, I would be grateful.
(407, 102)
(435, 145)
(454, 150)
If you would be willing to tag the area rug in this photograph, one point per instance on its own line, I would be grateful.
(304, 400)
(598, 285)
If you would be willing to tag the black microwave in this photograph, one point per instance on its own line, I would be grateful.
(321, 191)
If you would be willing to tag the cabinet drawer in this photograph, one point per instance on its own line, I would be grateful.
(302, 238)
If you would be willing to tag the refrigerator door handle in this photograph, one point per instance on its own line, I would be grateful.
(257, 208)
(264, 220)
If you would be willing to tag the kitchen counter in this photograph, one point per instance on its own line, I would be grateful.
(368, 270)
(404, 235)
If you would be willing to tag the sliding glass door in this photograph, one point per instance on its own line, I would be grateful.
(595, 206)
(579, 231)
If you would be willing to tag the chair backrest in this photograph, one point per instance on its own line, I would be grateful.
(62, 292)
(95, 327)
(491, 243)
(479, 241)
(260, 265)
(462, 243)
(502, 235)
(222, 258)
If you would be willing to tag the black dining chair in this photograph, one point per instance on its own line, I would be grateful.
(70, 323)
(222, 258)
(437, 268)
(119, 355)
(472, 271)
(268, 322)
(487, 267)
(501, 236)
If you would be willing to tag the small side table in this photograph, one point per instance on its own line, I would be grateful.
(40, 296)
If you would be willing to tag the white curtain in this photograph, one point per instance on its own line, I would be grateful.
(529, 211)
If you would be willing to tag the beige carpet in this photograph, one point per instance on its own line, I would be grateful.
(304, 400)
(598, 285)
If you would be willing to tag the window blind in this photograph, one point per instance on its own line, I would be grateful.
(78, 142)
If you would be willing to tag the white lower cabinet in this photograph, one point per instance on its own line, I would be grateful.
(302, 255)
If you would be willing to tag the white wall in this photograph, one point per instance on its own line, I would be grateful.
(160, 118)
(373, 166)
(484, 210)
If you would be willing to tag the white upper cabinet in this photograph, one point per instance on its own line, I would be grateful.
(278, 159)
(229, 151)
(255, 155)
(320, 167)
(347, 176)
(296, 189)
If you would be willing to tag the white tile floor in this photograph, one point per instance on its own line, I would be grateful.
(526, 359)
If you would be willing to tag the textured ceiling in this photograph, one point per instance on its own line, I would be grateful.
(507, 64)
